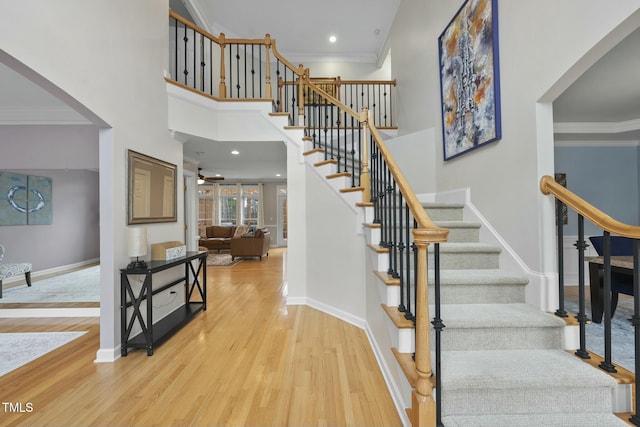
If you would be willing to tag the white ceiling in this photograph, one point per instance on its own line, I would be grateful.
(605, 101)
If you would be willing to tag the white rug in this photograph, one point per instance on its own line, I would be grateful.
(77, 286)
(17, 349)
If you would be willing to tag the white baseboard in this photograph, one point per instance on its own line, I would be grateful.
(54, 270)
(396, 394)
(50, 312)
(107, 355)
(332, 311)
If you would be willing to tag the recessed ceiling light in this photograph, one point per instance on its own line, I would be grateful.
(235, 152)
(217, 174)
(277, 174)
(332, 39)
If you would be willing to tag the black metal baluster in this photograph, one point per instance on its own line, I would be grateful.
(374, 181)
(438, 326)
(606, 363)
(185, 71)
(195, 68)
(245, 69)
(278, 101)
(230, 70)
(377, 89)
(392, 224)
(413, 289)
(635, 321)
(581, 245)
(391, 105)
(559, 224)
(253, 71)
(211, 68)
(386, 101)
(394, 196)
(238, 85)
(203, 64)
(383, 202)
(401, 250)
(175, 69)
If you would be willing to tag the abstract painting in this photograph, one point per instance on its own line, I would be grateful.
(25, 199)
(469, 78)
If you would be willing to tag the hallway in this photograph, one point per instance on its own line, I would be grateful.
(248, 360)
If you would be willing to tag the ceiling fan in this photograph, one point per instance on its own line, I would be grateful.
(210, 179)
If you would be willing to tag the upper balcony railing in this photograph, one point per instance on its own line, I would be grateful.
(253, 69)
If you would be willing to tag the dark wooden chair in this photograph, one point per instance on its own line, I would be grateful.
(621, 281)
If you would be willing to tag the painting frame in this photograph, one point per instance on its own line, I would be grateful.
(25, 199)
(152, 190)
(470, 78)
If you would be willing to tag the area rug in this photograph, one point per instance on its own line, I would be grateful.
(17, 349)
(76, 286)
(622, 342)
(221, 260)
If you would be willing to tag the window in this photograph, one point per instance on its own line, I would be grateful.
(228, 205)
(205, 209)
(250, 204)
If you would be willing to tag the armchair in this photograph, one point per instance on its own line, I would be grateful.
(621, 283)
(256, 245)
(13, 269)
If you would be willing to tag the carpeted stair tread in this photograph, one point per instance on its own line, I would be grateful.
(521, 369)
(596, 419)
(476, 316)
(534, 381)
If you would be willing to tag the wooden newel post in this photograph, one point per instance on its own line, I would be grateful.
(423, 408)
(267, 83)
(365, 178)
(222, 87)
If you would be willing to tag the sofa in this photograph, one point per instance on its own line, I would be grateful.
(218, 237)
(251, 245)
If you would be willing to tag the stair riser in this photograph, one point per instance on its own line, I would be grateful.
(402, 339)
(340, 182)
(519, 400)
(464, 235)
(479, 294)
(500, 338)
(389, 295)
(466, 260)
(444, 214)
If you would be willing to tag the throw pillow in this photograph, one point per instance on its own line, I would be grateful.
(240, 230)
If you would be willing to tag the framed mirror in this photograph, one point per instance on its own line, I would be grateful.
(152, 190)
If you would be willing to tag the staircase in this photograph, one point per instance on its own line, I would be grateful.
(503, 360)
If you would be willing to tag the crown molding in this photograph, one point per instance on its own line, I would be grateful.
(41, 116)
(597, 144)
(597, 127)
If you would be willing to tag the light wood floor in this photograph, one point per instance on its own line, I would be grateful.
(249, 360)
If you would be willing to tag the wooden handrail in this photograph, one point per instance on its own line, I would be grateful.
(331, 99)
(193, 26)
(549, 186)
(284, 60)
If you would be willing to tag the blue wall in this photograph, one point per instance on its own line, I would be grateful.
(606, 177)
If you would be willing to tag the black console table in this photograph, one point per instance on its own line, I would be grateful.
(151, 333)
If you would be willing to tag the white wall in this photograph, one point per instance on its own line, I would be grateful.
(73, 237)
(335, 252)
(109, 56)
(540, 42)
